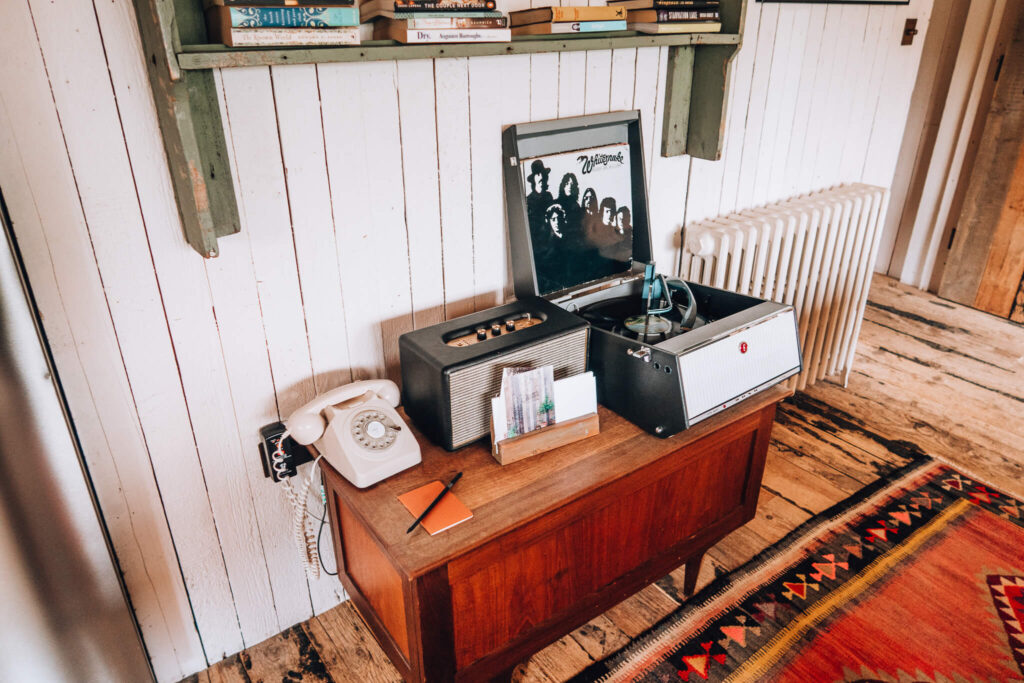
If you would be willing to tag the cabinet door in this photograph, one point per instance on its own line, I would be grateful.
(519, 584)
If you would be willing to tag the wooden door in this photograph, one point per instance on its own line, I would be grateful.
(985, 266)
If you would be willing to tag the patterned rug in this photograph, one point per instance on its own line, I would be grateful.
(919, 577)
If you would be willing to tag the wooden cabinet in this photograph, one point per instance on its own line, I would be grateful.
(555, 540)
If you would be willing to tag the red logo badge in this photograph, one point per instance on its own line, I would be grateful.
(743, 347)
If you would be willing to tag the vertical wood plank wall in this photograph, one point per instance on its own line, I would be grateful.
(371, 203)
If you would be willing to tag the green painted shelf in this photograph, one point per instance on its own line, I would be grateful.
(219, 56)
(181, 61)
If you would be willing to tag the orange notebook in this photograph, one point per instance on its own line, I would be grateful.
(449, 512)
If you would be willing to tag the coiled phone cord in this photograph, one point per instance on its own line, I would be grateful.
(302, 527)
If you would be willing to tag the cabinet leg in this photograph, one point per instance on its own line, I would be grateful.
(692, 570)
(506, 676)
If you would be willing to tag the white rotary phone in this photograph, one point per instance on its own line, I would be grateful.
(357, 430)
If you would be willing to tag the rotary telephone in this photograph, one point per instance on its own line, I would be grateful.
(357, 430)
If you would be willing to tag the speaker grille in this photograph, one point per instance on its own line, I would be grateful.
(472, 388)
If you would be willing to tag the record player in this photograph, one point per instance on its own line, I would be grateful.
(666, 353)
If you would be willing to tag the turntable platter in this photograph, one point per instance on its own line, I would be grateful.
(651, 325)
(625, 315)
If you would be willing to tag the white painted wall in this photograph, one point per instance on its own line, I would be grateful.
(371, 203)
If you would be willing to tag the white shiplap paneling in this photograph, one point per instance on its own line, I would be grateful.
(41, 194)
(79, 82)
(371, 202)
(454, 166)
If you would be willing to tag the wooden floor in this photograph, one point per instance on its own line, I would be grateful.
(930, 377)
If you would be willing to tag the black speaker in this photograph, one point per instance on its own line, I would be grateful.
(451, 371)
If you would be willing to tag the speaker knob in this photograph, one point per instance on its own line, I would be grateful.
(510, 325)
(481, 334)
(496, 329)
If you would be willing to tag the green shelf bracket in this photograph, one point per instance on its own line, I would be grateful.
(181, 62)
(678, 84)
(695, 96)
(189, 115)
(697, 90)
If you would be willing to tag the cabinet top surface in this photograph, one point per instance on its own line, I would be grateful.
(505, 497)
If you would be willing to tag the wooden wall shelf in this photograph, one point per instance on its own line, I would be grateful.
(220, 56)
(180, 62)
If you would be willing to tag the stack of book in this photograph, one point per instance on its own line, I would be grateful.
(283, 22)
(548, 20)
(671, 16)
(436, 21)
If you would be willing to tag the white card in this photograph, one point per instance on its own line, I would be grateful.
(499, 425)
(575, 397)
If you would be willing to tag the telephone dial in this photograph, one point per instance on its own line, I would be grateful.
(358, 431)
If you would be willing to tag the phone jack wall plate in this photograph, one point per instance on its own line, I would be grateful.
(295, 454)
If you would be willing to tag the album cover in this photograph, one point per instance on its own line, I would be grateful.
(528, 394)
(580, 206)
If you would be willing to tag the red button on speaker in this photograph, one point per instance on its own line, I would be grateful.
(743, 347)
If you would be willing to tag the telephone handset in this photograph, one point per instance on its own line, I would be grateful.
(358, 431)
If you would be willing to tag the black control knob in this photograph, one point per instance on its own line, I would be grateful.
(481, 334)
(510, 325)
(496, 329)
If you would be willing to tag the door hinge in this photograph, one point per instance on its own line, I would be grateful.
(909, 31)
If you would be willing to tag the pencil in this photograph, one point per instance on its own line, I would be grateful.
(447, 488)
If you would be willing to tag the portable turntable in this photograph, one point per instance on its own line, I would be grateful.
(666, 353)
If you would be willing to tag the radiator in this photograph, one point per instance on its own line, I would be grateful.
(815, 252)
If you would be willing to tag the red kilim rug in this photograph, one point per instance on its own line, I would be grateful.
(917, 578)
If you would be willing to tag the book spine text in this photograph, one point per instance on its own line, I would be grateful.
(676, 15)
(559, 14)
(443, 5)
(587, 26)
(459, 36)
(295, 36)
(293, 17)
(456, 22)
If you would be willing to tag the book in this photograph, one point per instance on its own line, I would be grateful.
(690, 5)
(484, 14)
(443, 5)
(568, 27)
(391, 14)
(278, 3)
(286, 17)
(662, 15)
(383, 8)
(389, 29)
(559, 14)
(677, 27)
(448, 513)
(453, 22)
(263, 37)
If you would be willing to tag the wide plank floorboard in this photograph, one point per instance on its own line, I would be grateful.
(930, 377)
